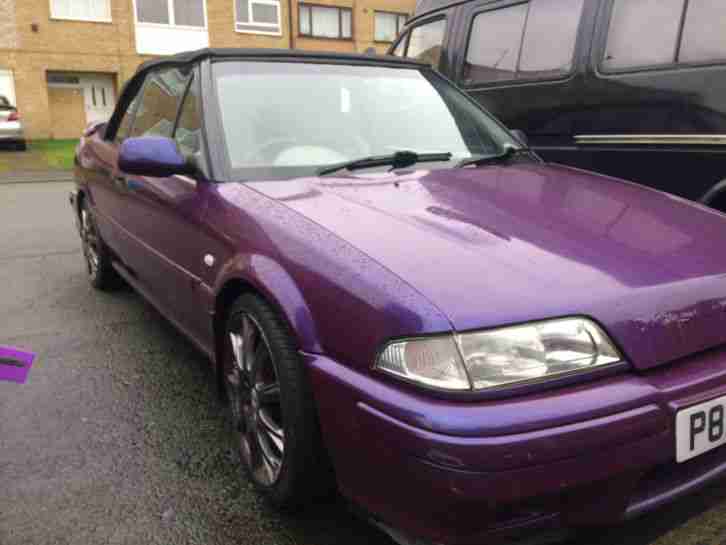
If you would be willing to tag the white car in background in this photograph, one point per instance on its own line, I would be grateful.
(11, 127)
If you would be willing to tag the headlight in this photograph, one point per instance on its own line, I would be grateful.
(501, 357)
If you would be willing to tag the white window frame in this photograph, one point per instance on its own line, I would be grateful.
(311, 5)
(57, 17)
(275, 28)
(172, 23)
(398, 15)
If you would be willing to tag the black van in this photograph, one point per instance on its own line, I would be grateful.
(630, 88)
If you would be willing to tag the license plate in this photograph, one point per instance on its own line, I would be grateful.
(700, 428)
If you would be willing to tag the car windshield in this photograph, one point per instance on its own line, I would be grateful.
(287, 119)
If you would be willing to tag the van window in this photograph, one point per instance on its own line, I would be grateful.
(494, 44)
(535, 40)
(704, 38)
(642, 33)
(549, 39)
(400, 46)
(646, 33)
(425, 42)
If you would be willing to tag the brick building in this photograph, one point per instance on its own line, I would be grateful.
(63, 61)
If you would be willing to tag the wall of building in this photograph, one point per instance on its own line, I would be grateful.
(8, 33)
(67, 112)
(33, 43)
(366, 21)
(222, 33)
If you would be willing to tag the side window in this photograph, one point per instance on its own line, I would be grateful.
(648, 33)
(188, 132)
(127, 120)
(548, 46)
(535, 40)
(426, 41)
(704, 38)
(400, 47)
(156, 113)
(642, 33)
(494, 42)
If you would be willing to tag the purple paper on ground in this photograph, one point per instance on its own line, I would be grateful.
(15, 364)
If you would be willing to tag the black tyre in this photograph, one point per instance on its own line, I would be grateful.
(271, 407)
(21, 146)
(101, 273)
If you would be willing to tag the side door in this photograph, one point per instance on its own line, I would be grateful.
(654, 104)
(165, 215)
(523, 61)
(99, 172)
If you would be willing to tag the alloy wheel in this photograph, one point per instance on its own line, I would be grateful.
(253, 391)
(90, 242)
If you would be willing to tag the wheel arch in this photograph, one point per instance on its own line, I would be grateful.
(715, 197)
(267, 279)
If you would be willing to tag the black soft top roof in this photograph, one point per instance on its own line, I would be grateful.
(288, 54)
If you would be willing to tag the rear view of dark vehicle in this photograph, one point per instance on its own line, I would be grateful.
(12, 134)
(630, 88)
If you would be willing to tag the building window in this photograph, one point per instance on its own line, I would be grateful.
(325, 22)
(185, 13)
(535, 40)
(663, 32)
(388, 25)
(257, 16)
(81, 10)
(61, 78)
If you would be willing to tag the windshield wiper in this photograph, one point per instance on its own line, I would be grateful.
(400, 159)
(509, 152)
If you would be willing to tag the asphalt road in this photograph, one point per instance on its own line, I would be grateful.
(118, 438)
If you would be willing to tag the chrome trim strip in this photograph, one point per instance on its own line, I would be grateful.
(677, 139)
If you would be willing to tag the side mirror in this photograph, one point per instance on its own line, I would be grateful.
(153, 156)
(520, 137)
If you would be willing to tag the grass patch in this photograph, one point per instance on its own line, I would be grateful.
(56, 154)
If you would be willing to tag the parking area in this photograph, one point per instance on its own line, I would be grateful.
(118, 437)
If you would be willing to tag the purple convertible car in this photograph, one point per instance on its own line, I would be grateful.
(402, 302)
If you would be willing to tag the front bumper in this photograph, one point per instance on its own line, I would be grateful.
(468, 472)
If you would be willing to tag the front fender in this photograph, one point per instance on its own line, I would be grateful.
(273, 282)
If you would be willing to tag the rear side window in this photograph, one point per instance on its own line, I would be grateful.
(642, 33)
(704, 32)
(646, 33)
(535, 40)
(157, 110)
(426, 41)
